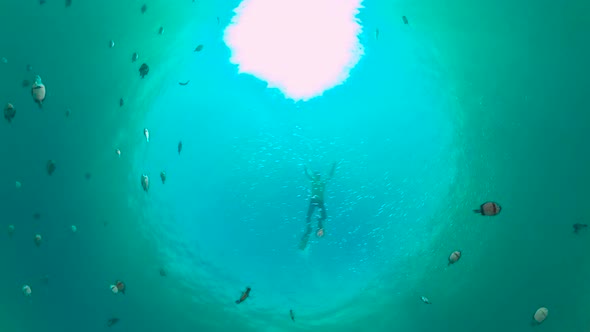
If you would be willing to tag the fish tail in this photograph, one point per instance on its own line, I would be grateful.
(477, 210)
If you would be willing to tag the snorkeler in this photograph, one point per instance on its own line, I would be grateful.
(318, 186)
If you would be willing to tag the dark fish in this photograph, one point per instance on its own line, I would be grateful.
(121, 102)
(578, 227)
(144, 70)
(179, 147)
(163, 272)
(120, 286)
(68, 112)
(9, 112)
(143, 9)
(161, 30)
(405, 19)
(36, 215)
(163, 177)
(244, 296)
(489, 209)
(26, 83)
(68, 3)
(45, 279)
(292, 315)
(199, 48)
(184, 83)
(87, 175)
(50, 167)
(134, 57)
(112, 321)
(42, 2)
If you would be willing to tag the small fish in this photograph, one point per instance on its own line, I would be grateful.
(10, 230)
(44, 279)
(118, 152)
(36, 215)
(121, 102)
(3, 60)
(292, 315)
(27, 290)
(38, 239)
(29, 68)
(50, 167)
(134, 57)
(179, 147)
(26, 83)
(489, 209)
(111, 43)
(87, 175)
(68, 112)
(38, 91)
(376, 34)
(163, 272)
(163, 177)
(578, 227)
(42, 2)
(244, 296)
(121, 286)
(144, 70)
(405, 19)
(146, 133)
(112, 321)
(184, 83)
(143, 8)
(68, 3)
(199, 48)
(161, 30)
(454, 257)
(145, 182)
(9, 112)
(426, 300)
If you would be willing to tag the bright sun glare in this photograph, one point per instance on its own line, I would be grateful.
(302, 47)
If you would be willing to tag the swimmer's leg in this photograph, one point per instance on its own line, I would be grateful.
(305, 237)
(323, 217)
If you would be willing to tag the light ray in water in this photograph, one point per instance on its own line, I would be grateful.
(301, 47)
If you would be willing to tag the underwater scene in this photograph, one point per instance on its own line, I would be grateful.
(294, 165)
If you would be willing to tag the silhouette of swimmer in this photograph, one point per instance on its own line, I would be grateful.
(318, 187)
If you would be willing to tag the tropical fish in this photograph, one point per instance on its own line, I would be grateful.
(145, 182)
(489, 209)
(454, 257)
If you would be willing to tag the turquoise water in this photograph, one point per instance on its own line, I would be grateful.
(470, 102)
